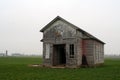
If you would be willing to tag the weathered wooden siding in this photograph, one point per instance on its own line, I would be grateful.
(94, 52)
(88, 47)
(59, 29)
(98, 52)
(79, 50)
(47, 61)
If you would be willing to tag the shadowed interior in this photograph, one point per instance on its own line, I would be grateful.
(59, 55)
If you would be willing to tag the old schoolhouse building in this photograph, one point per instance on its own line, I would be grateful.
(65, 44)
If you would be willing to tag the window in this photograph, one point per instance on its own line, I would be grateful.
(71, 50)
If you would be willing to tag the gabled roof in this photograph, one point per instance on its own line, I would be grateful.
(77, 28)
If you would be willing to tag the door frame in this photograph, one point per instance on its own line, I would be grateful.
(54, 56)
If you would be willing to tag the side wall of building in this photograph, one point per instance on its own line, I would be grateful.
(94, 52)
(98, 52)
(88, 51)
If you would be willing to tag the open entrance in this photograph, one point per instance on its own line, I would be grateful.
(59, 55)
(84, 60)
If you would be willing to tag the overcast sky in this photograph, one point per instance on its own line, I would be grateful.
(21, 20)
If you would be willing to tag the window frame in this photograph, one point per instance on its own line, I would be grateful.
(71, 49)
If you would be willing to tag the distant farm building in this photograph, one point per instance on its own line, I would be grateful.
(64, 44)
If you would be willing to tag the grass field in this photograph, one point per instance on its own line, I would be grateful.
(16, 68)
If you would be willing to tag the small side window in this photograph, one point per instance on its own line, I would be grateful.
(71, 47)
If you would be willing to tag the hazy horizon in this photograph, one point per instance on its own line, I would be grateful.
(21, 20)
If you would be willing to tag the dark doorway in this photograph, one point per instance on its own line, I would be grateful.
(84, 60)
(59, 55)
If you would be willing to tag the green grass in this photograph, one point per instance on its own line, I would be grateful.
(16, 68)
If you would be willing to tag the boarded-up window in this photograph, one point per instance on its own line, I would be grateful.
(47, 55)
(71, 50)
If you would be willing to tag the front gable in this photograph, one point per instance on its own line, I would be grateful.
(59, 28)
